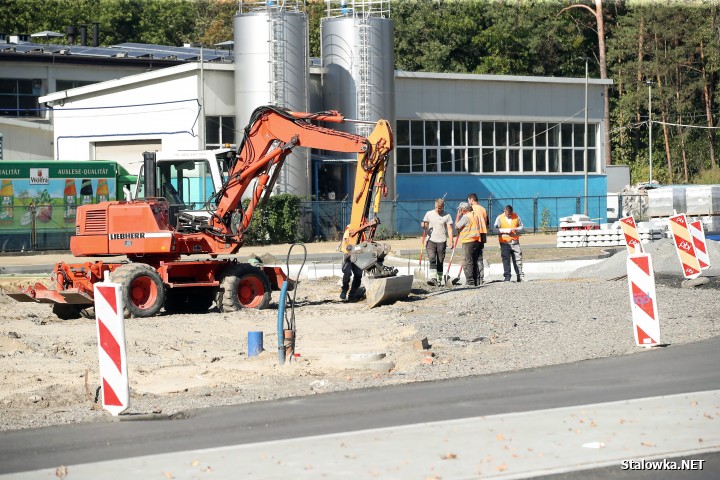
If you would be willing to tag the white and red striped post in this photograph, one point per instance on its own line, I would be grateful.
(684, 245)
(632, 237)
(643, 303)
(111, 346)
(697, 232)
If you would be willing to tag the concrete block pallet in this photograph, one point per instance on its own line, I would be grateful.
(603, 237)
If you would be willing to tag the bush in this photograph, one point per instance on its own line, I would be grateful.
(276, 221)
(709, 176)
(545, 226)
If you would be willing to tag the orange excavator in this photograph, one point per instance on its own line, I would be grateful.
(162, 224)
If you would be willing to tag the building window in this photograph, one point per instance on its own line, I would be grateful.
(430, 146)
(19, 97)
(219, 131)
(68, 84)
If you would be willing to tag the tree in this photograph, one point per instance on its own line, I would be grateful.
(600, 21)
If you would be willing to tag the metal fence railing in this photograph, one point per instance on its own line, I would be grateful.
(325, 220)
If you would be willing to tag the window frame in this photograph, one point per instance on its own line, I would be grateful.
(515, 147)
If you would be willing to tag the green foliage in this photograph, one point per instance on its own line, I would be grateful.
(677, 48)
(545, 226)
(493, 37)
(276, 221)
(382, 234)
(165, 22)
(316, 12)
(710, 176)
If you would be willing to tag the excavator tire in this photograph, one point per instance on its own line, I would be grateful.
(143, 289)
(243, 286)
(189, 300)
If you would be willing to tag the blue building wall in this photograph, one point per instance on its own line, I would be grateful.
(530, 195)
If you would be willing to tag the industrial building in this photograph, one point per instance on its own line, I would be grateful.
(506, 138)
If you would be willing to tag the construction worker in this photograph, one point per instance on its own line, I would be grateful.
(469, 234)
(483, 224)
(438, 224)
(349, 269)
(508, 226)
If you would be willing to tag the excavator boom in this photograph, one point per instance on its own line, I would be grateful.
(269, 137)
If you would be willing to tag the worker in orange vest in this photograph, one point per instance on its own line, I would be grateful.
(508, 226)
(483, 224)
(468, 226)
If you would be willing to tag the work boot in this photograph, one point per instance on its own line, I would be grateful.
(507, 279)
(343, 294)
(432, 282)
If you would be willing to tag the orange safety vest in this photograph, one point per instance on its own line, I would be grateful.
(511, 222)
(471, 231)
(481, 214)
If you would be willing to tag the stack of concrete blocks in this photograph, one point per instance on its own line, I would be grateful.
(703, 203)
(575, 231)
(666, 201)
(608, 235)
(698, 202)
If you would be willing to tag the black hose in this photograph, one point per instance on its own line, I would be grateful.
(290, 313)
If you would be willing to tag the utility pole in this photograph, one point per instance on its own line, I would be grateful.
(649, 83)
(585, 151)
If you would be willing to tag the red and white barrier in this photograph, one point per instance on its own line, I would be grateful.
(643, 303)
(632, 237)
(684, 245)
(111, 347)
(698, 235)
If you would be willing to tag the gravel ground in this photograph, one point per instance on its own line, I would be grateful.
(182, 362)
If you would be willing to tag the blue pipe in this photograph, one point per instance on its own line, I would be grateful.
(281, 317)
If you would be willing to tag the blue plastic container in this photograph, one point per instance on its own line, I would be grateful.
(255, 343)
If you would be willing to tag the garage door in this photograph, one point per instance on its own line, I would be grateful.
(128, 153)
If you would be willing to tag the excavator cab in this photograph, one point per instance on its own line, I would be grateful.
(186, 180)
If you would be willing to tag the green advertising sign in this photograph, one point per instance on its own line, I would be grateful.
(53, 191)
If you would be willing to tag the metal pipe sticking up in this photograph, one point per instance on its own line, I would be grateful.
(286, 322)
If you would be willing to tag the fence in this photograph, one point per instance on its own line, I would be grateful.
(326, 220)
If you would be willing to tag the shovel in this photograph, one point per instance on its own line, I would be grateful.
(446, 277)
(419, 273)
(456, 280)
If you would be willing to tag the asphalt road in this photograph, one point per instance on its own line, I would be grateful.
(639, 402)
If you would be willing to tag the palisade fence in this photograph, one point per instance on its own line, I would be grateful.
(326, 220)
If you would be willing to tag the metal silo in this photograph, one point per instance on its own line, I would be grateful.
(358, 67)
(271, 68)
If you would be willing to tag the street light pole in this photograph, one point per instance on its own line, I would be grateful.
(585, 151)
(650, 84)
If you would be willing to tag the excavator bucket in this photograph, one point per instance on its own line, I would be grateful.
(41, 294)
(381, 291)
